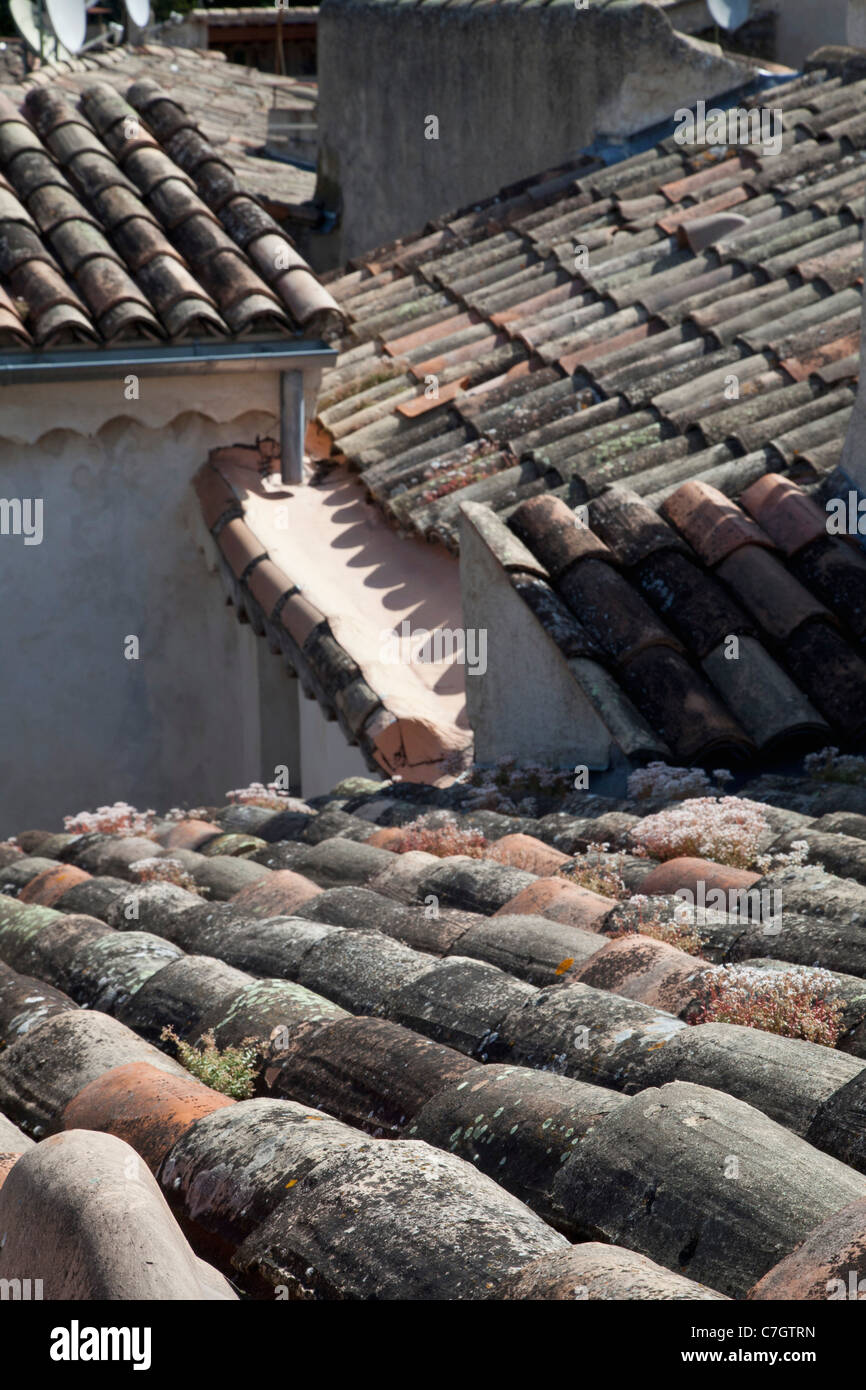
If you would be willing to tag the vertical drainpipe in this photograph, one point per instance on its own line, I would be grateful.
(292, 426)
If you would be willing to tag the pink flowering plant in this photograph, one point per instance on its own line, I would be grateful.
(271, 797)
(441, 840)
(679, 931)
(794, 1003)
(157, 870)
(598, 871)
(660, 781)
(119, 819)
(727, 830)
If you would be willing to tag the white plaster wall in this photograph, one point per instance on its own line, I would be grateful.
(326, 758)
(79, 724)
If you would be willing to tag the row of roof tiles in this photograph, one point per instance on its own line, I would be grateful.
(583, 327)
(729, 629)
(231, 105)
(119, 220)
(413, 1072)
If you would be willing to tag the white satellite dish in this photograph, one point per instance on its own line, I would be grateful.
(730, 14)
(69, 22)
(34, 28)
(139, 12)
(26, 18)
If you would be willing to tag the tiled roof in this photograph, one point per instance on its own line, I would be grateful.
(120, 221)
(731, 630)
(329, 633)
(566, 373)
(535, 1067)
(229, 102)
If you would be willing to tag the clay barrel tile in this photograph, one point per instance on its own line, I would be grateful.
(400, 1197)
(84, 1211)
(370, 1072)
(790, 518)
(46, 888)
(560, 901)
(147, 1108)
(554, 534)
(609, 1272)
(712, 524)
(235, 1165)
(518, 1126)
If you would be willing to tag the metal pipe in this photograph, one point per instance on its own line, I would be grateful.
(292, 426)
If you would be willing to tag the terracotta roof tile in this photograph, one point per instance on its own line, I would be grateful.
(111, 234)
(710, 522)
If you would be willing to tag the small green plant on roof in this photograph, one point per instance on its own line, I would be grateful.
(154, 870)
(727, 830)
(832, 766)
(441, 840)
(271, 797)
(596, 872)
(231, 1070)
(794, 1003)
(660, 781)
(119, 819)
(680, 931)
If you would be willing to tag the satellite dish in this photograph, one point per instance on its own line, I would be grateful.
(730, 14)
(139, 12)
(35, 30)
(69, 22)
(26, 18)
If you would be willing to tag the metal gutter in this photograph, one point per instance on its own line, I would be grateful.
(198, 358)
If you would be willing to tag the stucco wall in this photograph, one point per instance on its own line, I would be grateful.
(124, 553)
(516, 88)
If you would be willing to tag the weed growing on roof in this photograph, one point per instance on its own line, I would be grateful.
(792, 1003)
(441, 840)
(659, 780)
(121, 818)
(680, 932)
(596, 873)
(511, 789)
(231, 1071)
(166, 871)
(271, 797)
(832, 766)
(727, 830)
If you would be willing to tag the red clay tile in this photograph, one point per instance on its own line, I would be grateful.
(560, 901)
(189, 834)
(267, 584)
(737, 168)
(420, 405)
(803, 366)
(555, 535)
(729, 199)
(51, 884)
(299, 617)
(214, 495)
(239, 546)
(830, 1263)
(642, 968)
(790, 518)
(527, 852)
(686, 872)
(147, 1108)
(278, 894)
(443, 328)
(713, 524)
(386, 837)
